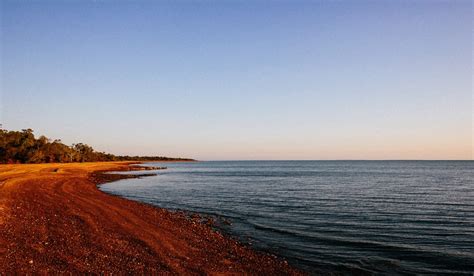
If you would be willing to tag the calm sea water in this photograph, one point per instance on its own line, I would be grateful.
(368, 217)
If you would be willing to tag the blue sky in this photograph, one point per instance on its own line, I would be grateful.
(243, 79)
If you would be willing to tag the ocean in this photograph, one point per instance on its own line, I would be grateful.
(341, 217)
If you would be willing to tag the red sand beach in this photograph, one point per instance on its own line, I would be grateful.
(54, 219)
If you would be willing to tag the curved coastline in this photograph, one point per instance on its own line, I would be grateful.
(55, 219)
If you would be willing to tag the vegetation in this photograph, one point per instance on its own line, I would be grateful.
(23, 147)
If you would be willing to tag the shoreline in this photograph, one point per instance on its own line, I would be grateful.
(54, 218)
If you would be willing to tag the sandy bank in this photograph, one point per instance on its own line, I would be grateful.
(54, 219)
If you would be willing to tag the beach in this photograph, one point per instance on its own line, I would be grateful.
(54, 219)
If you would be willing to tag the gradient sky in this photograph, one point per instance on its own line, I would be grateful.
(219, 80)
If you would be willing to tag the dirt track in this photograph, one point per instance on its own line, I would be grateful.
(54, 219)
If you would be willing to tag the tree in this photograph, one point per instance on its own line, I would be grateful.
(23, 147)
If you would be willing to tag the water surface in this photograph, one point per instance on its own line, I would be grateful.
(370, 217)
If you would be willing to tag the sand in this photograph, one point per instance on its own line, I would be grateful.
(54, 219)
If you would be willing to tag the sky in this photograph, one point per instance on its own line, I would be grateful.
(242, 80)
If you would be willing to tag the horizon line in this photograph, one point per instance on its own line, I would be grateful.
(283, 160)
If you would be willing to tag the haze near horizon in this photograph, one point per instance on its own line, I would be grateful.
(243, 80)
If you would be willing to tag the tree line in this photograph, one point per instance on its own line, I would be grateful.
(23, 147)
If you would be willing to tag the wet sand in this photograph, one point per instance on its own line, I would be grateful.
(54, 219)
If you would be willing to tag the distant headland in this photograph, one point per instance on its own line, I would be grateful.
(23, 147)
